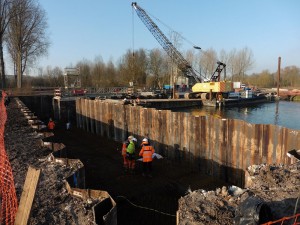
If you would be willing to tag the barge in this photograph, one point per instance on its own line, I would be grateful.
(239, 101)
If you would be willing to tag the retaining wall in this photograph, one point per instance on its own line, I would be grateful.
(220, 147)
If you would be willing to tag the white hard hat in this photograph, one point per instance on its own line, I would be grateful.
(145, 140)
(134, 139)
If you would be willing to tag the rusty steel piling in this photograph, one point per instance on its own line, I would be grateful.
(219, 147)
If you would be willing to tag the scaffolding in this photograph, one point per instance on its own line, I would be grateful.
(72, 78)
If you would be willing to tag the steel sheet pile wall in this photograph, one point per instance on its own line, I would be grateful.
(220, 147)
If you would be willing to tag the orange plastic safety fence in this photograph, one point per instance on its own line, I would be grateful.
(291, 220)
(8, 198)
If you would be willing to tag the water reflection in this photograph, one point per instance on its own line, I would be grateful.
(205, 111)
(282, 113)
(276, 117)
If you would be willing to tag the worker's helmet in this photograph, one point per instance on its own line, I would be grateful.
(130, 137)
(145, 141)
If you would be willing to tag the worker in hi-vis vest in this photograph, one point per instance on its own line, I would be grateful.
(124, 150)
(51, 125)
(146, 152)
(130, 154)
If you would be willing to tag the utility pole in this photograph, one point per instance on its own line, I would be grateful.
(278, 77)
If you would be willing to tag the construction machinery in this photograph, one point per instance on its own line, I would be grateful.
(202, 86)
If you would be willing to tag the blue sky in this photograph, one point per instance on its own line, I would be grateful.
(86, 29)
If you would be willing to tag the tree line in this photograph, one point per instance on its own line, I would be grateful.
(154, 69)
(23, 33)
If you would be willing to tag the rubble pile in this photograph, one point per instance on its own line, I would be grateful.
(52, 203)
(272, 192)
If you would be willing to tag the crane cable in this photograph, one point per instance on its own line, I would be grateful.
(191, 43)
(180, 35)
(203, 52)
(172, 30)
(132, 32)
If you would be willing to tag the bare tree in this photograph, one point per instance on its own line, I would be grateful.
(103, 75)
(242, 62)
(98, 70)
(176, 40)
(126, 67)
(266, 79)
(291, 76)
(27, 35)
(6, 14)
(230, 63)
(57, 77)
(111, 74)
(155, 66)
(224, 58)
(85, 72)
(133, 67)
(140, 67)
(192, 58)
(208, 62)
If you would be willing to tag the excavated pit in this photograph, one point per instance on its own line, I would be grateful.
(103, 171)
(139, 200)
(272, 191)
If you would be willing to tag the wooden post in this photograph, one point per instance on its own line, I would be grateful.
(27, 196)
(278, 78)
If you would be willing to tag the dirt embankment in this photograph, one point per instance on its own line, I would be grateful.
(52, 203)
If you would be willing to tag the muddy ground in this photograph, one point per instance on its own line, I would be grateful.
(199, 198)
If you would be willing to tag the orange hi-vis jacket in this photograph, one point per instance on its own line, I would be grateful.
(146, 152)
(51, 125)
(124, 149)
(125, 161)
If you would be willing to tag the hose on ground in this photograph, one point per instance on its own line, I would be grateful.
(142, 207)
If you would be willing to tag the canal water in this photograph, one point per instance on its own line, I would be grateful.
(280, 113)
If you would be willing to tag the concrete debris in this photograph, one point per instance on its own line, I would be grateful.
(272, 189)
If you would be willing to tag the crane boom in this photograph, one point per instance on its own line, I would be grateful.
(167, 45)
